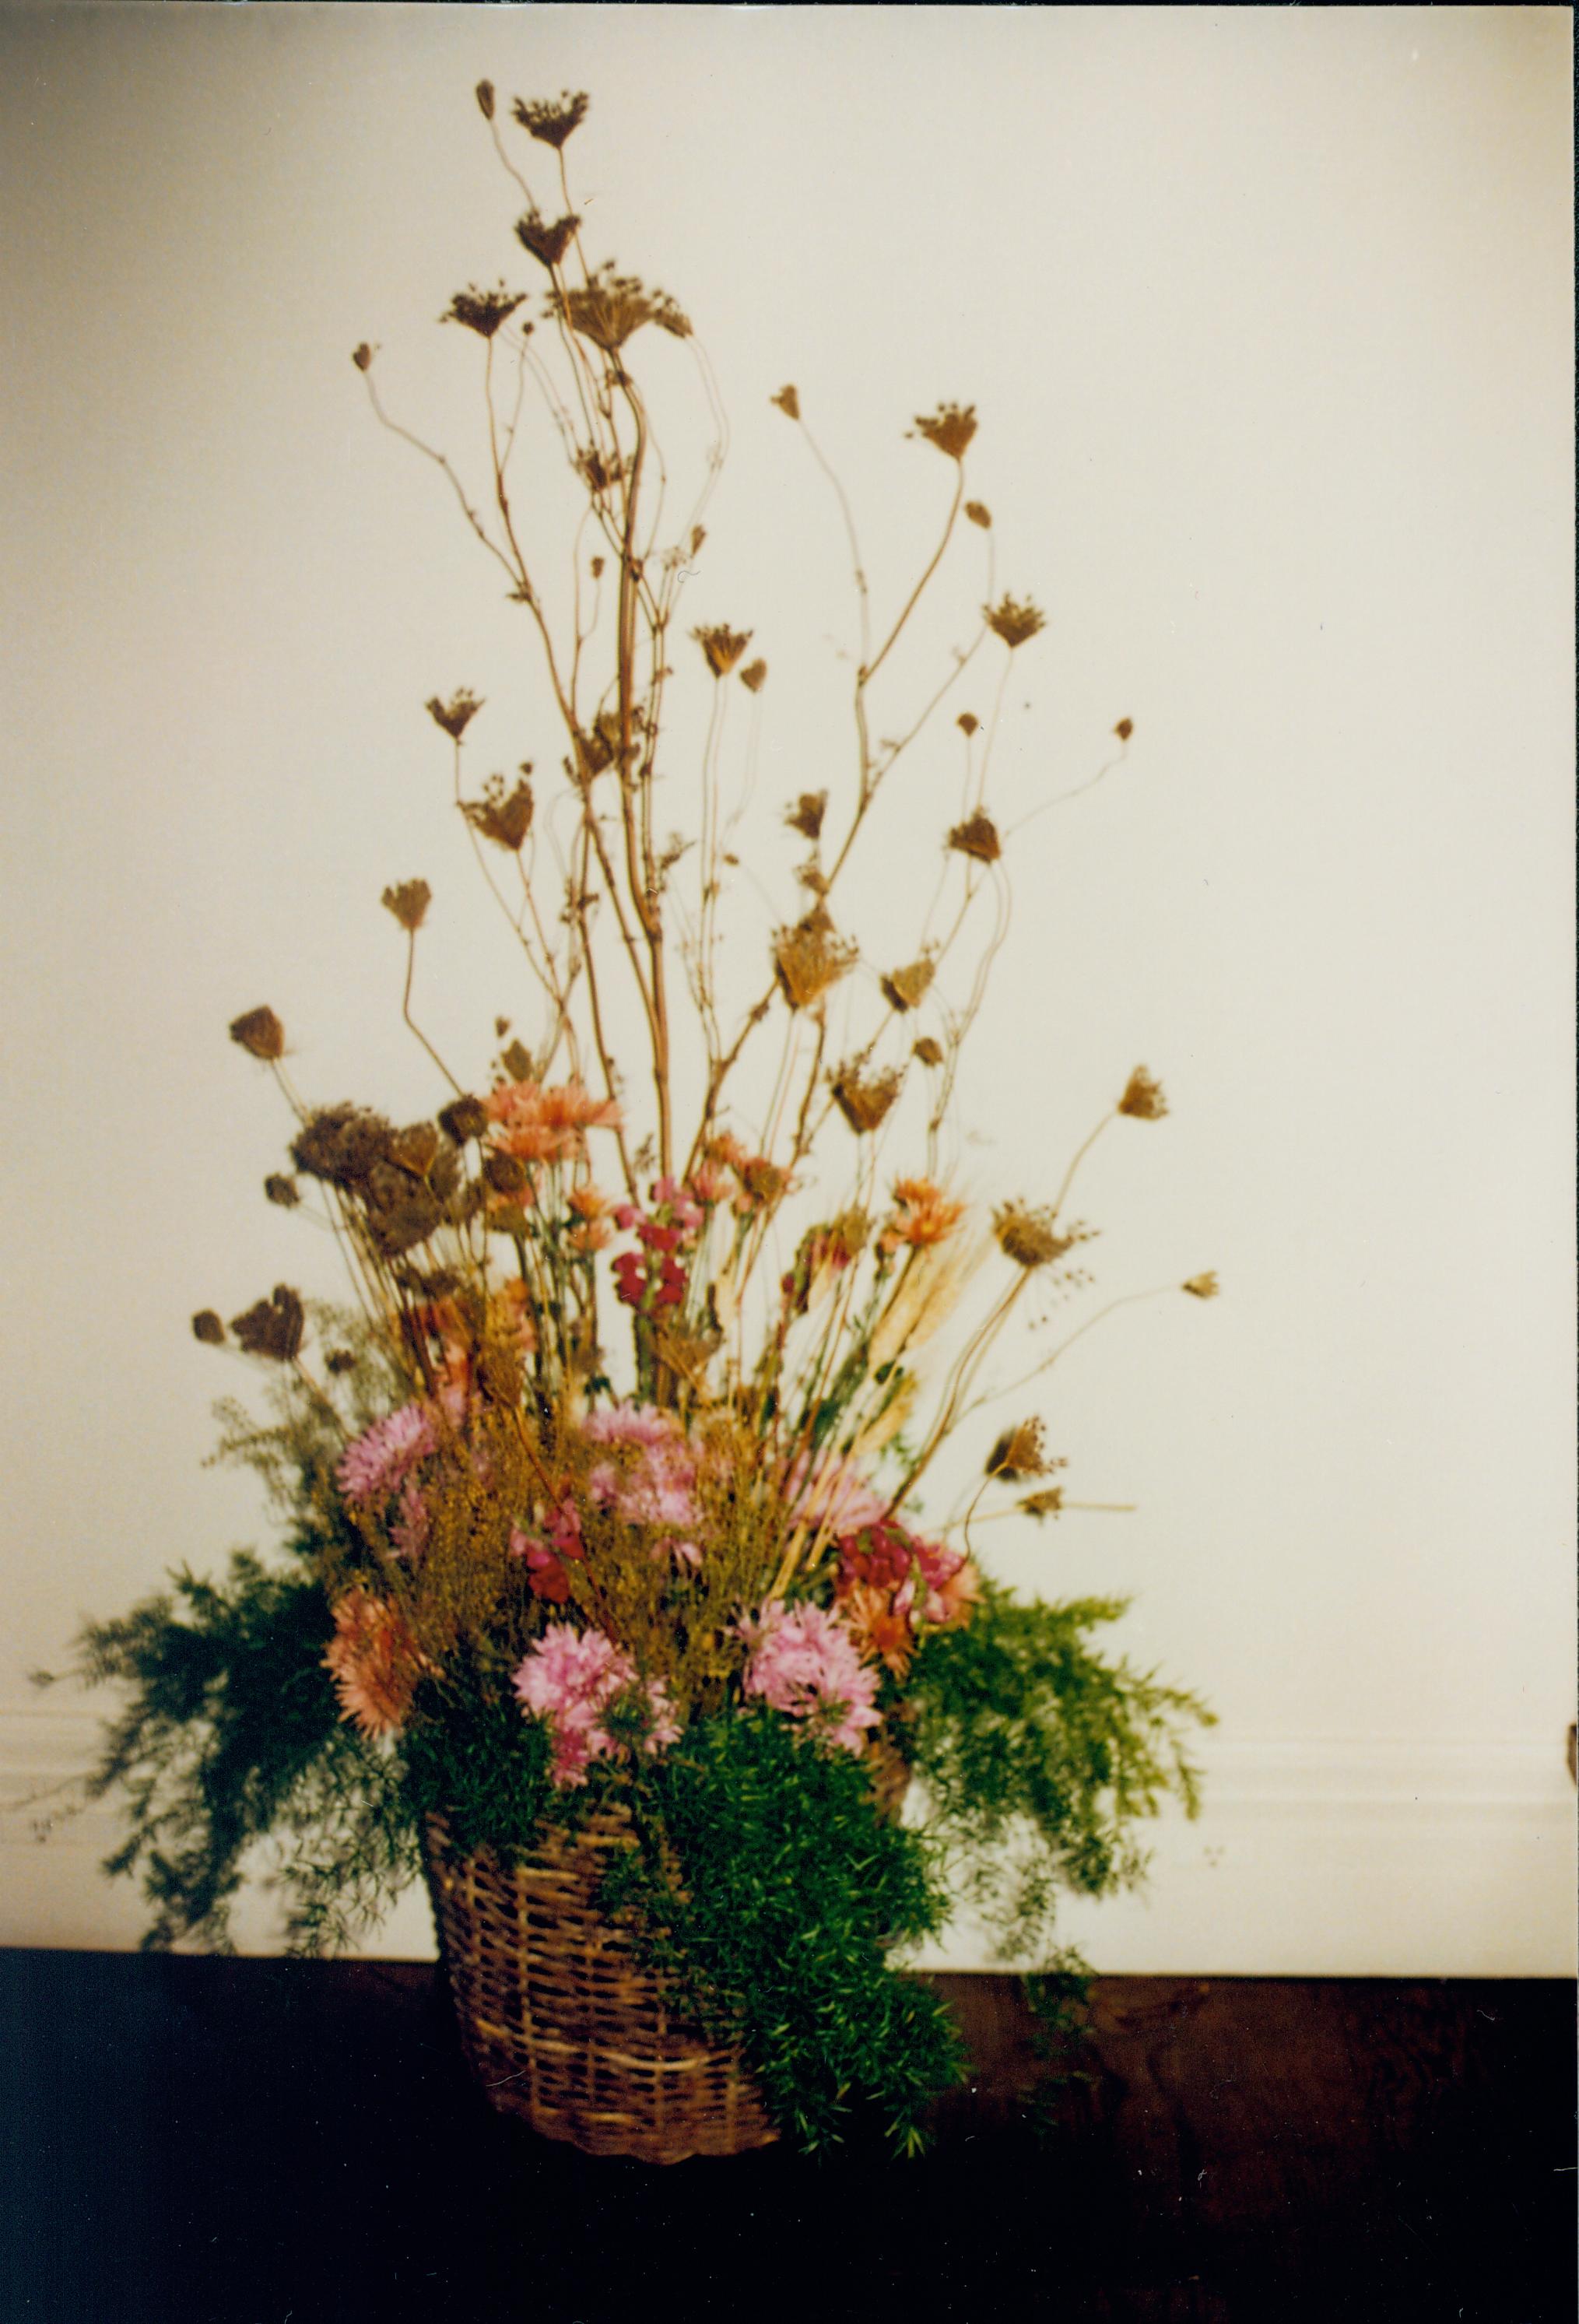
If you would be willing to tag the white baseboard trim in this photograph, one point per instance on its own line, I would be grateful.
(1318, 1856)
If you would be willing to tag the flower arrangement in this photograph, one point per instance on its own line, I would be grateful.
(606, 1485)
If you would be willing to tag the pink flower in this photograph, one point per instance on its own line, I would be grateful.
(547, 1125)
(804, 1662)
(379, 1460)
(630, 1424)
(569, 1678)
(409, 1530)
(834, 1496)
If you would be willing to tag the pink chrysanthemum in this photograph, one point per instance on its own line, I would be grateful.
(630, 1424)
(570, 1677)
(377, 1463)
(803, 1661)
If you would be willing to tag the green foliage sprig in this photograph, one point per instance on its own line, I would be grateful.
(231, 1735)
(1038, 1758)
(768, 1890)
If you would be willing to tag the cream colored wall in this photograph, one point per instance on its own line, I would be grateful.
(1266, 315)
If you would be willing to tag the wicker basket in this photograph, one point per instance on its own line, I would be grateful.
(557, 2019)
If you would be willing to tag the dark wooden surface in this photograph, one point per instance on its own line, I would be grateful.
(200, 2142)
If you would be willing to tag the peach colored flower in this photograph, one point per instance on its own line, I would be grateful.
(878, 1627)
(924, 1215)
(547, 1125)
(374, 1661)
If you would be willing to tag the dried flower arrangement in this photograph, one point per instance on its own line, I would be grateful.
(604, 1491)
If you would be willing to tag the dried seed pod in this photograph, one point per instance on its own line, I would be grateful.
(1142, 1099)
(806, 815)
(547, 244)
(950, 429)
(409, 903)
(723, 646)
(274, 1327)
(1018, 1453)
(907, 988)
(484, 311)
(865, 1099)
(1028, 1236)
(464, 1119)
(977, 836)
(808, 959)
(549, 122)
(1014, 620)
(456, 714)
(208, 1327)
(261, 1034)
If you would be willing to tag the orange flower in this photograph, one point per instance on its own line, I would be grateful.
(961, 1594)
(547, 1125)
(925, 1215)
(874, 1625)
(374, 1661)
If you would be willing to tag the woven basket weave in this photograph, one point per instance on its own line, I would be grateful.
(559, 2020)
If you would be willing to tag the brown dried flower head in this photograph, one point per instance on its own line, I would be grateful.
(484, 311)
(979, 513)
(723, 646)
(551, 121)
(907, 988)
(547, 244)
(808, 959)
(281, 1189)
(1018, 1453)
(752, 675)
(807, 813)
(762, 1180)
(456, 714)
(865, 1099)
(484, 95)
(343, 1144)
(930, 1052)
(361, 355)
(1142, 1099)
(504, 818)
(977, 836)
(1048, 1503)
(967, 722)
(950, 428)
(208, 1327)
(261, 1034)
(274, 1327)
(600, 474)
(1028, 1236)
(788, 401)
(1014, 620)
(1202, 1287)
(416, 1149)
(611, 307)
(463, 1119)
(1124, 729)
(409, 903)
